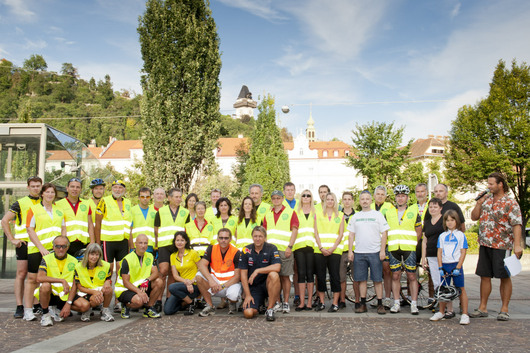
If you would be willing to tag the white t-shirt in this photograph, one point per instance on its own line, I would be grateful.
(451, 243)
(367, 226)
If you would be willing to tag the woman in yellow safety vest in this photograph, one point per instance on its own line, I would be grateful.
(199, 230)
(94, 283)
(223, 218)
(44, 222)
(246, 222)
(329, 228)
(304, 253)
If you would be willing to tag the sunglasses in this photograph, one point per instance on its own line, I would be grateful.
(74, 179)
(60, 246)
(306, 195)
(145, 197)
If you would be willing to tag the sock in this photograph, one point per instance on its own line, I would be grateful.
(379, 301)
(45, 311)
(413, 302)
(363, 301)
(396, 302)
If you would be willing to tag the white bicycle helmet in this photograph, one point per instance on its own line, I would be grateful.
(446, 293)
(401, 189)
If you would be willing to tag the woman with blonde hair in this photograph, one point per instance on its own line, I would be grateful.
(329, 229)
(94, 283)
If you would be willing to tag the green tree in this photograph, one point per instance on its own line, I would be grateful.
(377, 153)
(267, 163)
(69, 70)
(494, 135)
(180, 109)
(35, 63)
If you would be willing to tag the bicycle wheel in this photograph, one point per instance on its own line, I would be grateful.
(423, 301)
(370, 289)
(350, 294)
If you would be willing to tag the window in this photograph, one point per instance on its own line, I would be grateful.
(301, 151)
(347, 153)
(434, 150)
(335, 153)
(325, 154)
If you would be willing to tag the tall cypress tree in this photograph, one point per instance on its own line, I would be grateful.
(180, 107)
(268, 163)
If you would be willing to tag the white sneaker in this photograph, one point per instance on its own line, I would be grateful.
(207, 311)
(106, 315)
(387, 303)
(277, 307)
(286, 308)
(117, 307)
(437, 316)
(232, 308)
(414, 309)
(464, 319)
(28, 315)
(85, 317)
(46, 320)
(395, 308)
(54, 312)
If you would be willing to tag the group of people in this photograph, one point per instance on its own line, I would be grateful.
(192, 252)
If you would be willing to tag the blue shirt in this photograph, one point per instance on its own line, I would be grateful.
(291, 202)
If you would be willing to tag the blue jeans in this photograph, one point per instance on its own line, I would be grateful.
(178, 291)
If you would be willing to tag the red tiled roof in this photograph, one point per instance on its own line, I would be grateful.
(120, 149)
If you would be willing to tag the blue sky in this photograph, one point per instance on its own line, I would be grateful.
(411, 62)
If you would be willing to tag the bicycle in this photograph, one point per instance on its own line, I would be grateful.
(422, 275)
(350, 295)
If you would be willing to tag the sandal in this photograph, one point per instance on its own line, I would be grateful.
(503, 316)
(478, 313)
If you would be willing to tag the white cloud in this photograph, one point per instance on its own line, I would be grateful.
(456, 10)
(20, 9)
(35, 44)
(262, 8)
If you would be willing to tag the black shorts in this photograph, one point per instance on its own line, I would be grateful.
(58, 302)
(22, 252)
(34, 261)
(164, 253)
(75, 246)
(115, 250)
(491, 262)
(127, 296)
(259, 293)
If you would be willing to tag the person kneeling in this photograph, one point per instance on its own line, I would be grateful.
(260, 267)
(222, 280)
(138, 283)
(58, 290)
(93, 280)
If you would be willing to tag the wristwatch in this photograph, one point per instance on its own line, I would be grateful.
(290, 247)
(69, 302)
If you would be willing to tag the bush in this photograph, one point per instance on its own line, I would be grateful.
(472, 242)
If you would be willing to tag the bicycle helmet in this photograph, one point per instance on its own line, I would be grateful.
(401, 189)
(96, 182)
(80, 254)
(446, 293)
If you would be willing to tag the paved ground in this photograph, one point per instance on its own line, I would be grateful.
(294, 332)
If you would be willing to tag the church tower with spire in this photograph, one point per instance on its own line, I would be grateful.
(310, 130)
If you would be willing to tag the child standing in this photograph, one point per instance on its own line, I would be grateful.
(452, 246)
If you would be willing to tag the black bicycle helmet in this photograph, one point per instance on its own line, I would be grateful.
(96, 182)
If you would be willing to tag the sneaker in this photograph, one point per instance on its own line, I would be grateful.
(277, 307)
(46, 320)
(152, 313)
(55, 313)
(19, 313)
(286, 308)
(200, 304)
(381, 310)
(269, 315)
(207, 311)
(29, 315)
(106, 315)
(37, 309)
(396, 308)
(449, 315)
(320, 307)
(387, 303)
(437, 316)
(125, 312)
(464, 319)
(414, 309)
(478, 313)
(333, 308)
(190, 310)
(262, 309)
(85, 317)
(296, 300)
(316, 302)
(158, 306)
(342, 305)
(232, 308)
(117, 307)
(361, 309)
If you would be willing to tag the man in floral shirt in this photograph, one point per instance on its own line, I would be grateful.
(500, 231)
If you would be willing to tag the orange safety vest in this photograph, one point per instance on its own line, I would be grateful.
(223, 269)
